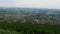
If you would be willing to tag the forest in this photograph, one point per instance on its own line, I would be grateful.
(28, 28)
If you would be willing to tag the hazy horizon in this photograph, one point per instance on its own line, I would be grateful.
(31, 3)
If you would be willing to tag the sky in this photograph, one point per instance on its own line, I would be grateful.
(31, 3)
